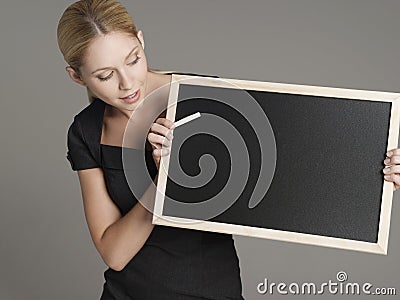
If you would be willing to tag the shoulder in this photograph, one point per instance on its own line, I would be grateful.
(93, 111)
(88, 121)
(83, 136)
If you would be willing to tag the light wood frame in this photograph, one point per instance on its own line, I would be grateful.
(387, 194)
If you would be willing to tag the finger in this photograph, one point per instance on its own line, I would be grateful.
(395, 151)
(395, 178)
(394, 159)
(158, 139)
(161, 152)
(165, 122)
(156, 146)
(388, 178)
(391, 169)
(161, 129)
(153, 144)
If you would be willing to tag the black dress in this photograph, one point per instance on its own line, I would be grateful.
(174, 263)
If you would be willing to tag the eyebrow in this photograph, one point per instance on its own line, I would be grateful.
(111, 67)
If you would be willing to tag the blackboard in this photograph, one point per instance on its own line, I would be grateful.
(279, 161)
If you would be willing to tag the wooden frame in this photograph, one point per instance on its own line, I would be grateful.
(387, 194)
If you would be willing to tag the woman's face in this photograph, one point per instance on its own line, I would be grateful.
(115, 69)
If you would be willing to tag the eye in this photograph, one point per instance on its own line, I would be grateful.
(107, 77)
(111, 74)
(135, 61)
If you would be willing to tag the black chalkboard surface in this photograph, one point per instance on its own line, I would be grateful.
(279, 161)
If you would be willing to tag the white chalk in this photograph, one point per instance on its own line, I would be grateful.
(187, 119)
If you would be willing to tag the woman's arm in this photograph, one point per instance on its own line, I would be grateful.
(116, 238)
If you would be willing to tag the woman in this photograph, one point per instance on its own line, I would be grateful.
(105, 53)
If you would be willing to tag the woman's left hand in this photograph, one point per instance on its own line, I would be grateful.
(392, 169)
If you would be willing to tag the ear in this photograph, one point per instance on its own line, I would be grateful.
(74, 75)
(141, 39)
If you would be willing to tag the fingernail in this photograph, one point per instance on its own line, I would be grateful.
(387, 160)
(387, 176)
(387, 169)
(390, 153)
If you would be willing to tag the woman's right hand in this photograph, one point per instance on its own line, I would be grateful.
(160, 137)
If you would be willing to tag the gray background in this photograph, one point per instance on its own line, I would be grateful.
(46, 251)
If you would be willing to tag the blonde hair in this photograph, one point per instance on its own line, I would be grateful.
(84, 20)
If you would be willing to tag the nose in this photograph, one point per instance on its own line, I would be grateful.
(124, 82)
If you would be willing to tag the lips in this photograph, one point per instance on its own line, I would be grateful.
(129, 96)
(132, 98)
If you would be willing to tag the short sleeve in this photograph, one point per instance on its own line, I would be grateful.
(78, 152)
